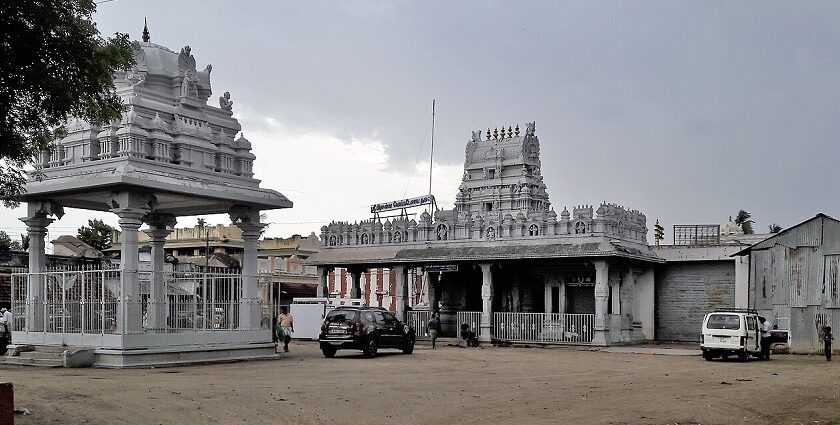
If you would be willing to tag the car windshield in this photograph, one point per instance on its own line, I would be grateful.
(724, 321)
(342, 315)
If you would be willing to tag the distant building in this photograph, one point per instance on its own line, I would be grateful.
(71, 246)
(794, 279)
(279, 259)
(17, 261)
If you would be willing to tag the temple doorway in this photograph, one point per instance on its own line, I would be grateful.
(580, 299)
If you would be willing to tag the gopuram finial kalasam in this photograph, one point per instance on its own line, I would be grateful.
(225, 103)
(145, 31)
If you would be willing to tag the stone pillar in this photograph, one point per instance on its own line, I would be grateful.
(402, 291)
(323, 276)
(632, 304)
(601, 296)
(129, 314)
(615, 301)
(249, 302)
(36, 222)
(431, 292)
(157, 307)
(629, 311)
(356, 283)
(647, 302)
(486, 328)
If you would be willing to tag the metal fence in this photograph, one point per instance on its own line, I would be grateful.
(418, 320)
(472, 318)
(94, 302)
(543, 327)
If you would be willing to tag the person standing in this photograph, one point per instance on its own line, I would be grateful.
(827, 337)
(287, 323)
(6, 324)
(5, 330)
(433, 329)
(765, 338)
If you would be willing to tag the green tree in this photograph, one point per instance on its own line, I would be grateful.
(5, 242)
(54, 65)
(743, 220)
(774, 228)
(96, 234)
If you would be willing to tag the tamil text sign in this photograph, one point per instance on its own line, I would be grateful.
(402, 203)
(441, 268)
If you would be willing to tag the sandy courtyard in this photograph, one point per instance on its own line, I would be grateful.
(449, 385)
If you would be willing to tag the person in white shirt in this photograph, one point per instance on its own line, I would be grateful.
(6, 321)
(765, 337)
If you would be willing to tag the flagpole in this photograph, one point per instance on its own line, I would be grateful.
(432, 153)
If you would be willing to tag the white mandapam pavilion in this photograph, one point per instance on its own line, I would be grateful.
(170, 155)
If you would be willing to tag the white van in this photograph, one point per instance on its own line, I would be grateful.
(731, 332)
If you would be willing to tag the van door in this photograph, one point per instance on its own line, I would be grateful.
(753, 335)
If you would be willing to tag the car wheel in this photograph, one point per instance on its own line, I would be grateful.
(371, 348)
(408, 348)
(329, 352)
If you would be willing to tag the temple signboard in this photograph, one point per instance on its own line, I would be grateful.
(402, 203)
(441, 268)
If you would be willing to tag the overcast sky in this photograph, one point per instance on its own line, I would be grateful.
(687, 111)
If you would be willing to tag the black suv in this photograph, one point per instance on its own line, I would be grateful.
(364, 328)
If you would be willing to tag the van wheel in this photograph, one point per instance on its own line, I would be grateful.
(743, 356)
(708, 356)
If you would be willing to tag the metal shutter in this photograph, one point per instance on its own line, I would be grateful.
(686, 291)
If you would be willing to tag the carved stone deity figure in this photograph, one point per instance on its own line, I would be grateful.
(185, 85)
(186, 61)
(225, 103)
(441, 232)
(476, 136)
(529, 128)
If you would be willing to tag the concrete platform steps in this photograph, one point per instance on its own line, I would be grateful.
(43, 356)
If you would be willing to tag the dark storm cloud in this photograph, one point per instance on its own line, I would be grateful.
(687, 111)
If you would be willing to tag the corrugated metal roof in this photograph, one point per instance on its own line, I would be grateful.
(809, 234)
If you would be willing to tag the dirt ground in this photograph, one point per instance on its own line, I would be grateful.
(448, 385)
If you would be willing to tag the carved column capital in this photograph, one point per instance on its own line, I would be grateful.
(37, 224)
(129, 218)
(160, 220)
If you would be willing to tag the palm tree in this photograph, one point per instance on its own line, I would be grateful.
(774, 228)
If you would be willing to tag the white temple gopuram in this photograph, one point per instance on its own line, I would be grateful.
(505, 260)
(172, 154)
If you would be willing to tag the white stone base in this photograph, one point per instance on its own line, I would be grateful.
(184, 355)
